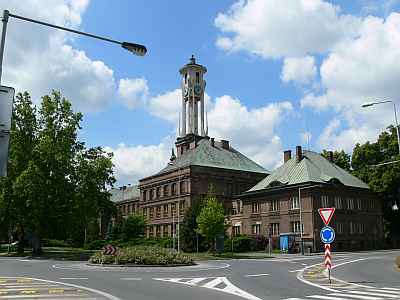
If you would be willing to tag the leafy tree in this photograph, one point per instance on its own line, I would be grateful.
(371, 163)
(211, 219)
(188, 228)
(133, 227)
(340, 158)
(56, 187)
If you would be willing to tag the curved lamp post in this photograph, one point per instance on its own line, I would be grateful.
(395, 116)
(136, 49)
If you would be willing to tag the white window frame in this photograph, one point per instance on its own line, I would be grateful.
(295, 203)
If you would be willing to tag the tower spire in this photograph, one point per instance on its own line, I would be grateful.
(193, 86)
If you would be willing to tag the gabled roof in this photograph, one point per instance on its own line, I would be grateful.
(214, 156)
(124, 193)
(312, 168)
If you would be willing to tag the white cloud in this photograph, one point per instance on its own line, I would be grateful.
(133, 92)
(166, 106)
(135, 162)
(280, 28)
(358, 70)
(251, 131)
(299, 69)
(39, 59)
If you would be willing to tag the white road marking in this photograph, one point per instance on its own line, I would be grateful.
(358, 294)
(74, 278)
(221, 284)
(372, 294)
(98, 292)
(304, 264)
(256, 275)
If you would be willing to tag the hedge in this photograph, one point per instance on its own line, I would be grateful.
(245, 243)
(142, 255)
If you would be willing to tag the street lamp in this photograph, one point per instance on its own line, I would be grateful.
(395, 116)
(136, 49)
(300, 213)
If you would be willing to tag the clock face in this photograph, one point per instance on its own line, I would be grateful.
(186, 91)
(197, 89)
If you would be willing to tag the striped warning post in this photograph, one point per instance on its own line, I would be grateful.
(328, 260)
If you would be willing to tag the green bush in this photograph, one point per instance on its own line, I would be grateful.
(96, 245)
(244, 243)
(142, 255)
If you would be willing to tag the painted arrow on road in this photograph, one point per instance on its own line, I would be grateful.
(221, 284)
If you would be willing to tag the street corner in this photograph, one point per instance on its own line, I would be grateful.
(31, 288)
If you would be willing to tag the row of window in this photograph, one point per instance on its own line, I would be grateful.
(129, 208)
(166, 210)
(166, 229)
(167, 190)
(338, 203)
(295, 227)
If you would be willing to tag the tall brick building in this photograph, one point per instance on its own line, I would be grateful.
(200, 162)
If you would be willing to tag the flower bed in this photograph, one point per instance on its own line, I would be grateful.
(142, 255)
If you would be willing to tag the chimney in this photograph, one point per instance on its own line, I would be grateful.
(299, 154)
(330, 156)
(287, 155)
(212, 142)
(225, 144)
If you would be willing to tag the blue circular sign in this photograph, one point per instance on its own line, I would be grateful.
(327, 235)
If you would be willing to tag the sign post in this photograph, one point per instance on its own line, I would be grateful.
(327, 236)
(6, 104)
(328, 260)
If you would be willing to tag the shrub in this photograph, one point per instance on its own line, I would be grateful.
(142, 255)
(96, 245)
(244, 243)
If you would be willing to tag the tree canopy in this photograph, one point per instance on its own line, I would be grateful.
(211, 220)
(56, 186)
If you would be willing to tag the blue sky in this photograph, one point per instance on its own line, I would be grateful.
(277, 69)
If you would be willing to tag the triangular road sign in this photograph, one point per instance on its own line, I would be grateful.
(326, 214)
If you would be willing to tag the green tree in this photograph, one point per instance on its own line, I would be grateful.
(93, 176)
(188, 229)
(340, 158)
(56, 187)
(371, 163)
(133, 227)
(211, 220)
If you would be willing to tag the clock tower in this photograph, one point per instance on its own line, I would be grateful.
(193, 86)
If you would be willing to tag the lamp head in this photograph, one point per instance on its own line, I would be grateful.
(136, 49)
(367, 104)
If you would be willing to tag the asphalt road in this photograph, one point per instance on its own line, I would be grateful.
(265, 279)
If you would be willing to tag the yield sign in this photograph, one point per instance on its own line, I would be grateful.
(326, 214)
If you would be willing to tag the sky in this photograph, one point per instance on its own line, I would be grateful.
(281, 73)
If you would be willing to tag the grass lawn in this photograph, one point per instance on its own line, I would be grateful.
(56, 253)
(80, 254)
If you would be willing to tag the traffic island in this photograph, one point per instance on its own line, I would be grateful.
(142, 256)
